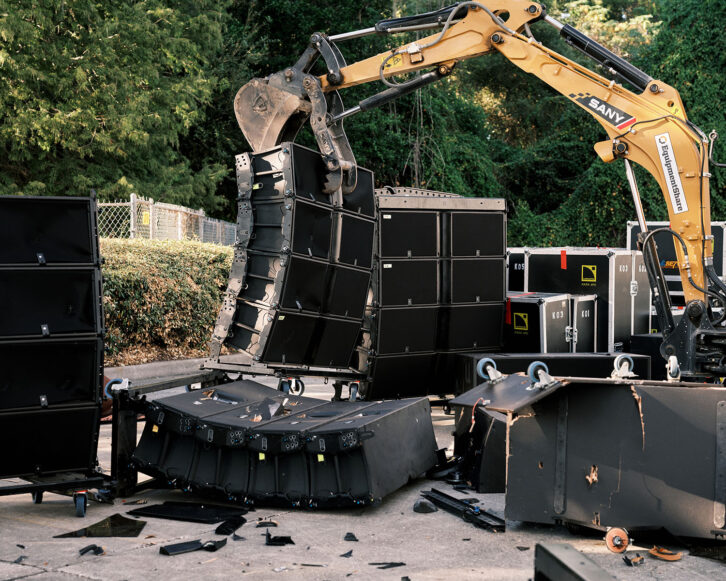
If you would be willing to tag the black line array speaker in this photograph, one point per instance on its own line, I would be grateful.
(302, 263)
(439, 288)
(249, 443)
(51, 335)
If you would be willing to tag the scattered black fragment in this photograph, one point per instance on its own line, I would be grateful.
(95, 549)
(424, 506)
(116, 525)
(20, 546)
(350, 537)
(180, 548)
(190, 512)
(266, 523)
(230, 525)
(21, 558)
(519, 548)
(189, 546)
(462, 488)
(236, 537)
(469, 513)
(213, 546)
(311, 565)
(634, 561)
(466, 539)
(277, 541)
(348, 554)
(406, 578)
(388, 564)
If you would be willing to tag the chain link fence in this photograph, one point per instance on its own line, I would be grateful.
(141, 218)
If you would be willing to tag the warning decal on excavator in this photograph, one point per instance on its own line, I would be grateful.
(670, 171)
(394, 62)
(612, 115)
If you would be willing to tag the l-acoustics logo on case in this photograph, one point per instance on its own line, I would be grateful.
(521, 321)
(612, 115)
(670, 171)
(589, 273)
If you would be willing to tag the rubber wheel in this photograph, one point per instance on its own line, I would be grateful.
(353, 391)
(481, 367)
(297, 387)
(81, 502)
(620, 359)
(534, 367)
(37, 497)
(284, 386)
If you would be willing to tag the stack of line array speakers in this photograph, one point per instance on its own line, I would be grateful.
(302, 262)
(439, 288)
(51, 346)
(249, 443)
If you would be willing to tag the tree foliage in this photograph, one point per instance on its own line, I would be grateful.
(97, 95)
(138, 96)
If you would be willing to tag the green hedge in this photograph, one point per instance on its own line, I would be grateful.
(161, 298)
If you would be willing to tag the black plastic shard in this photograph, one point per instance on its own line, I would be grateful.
(230, 525)
(424, 506)
(277, 541)
(117, 525)
(190, 546)
(190, 512)
(350, 537)
(388, 564)
(236, 537)
(348, 554)
(95, 549)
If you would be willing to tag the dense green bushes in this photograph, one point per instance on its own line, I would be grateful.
(161, 298)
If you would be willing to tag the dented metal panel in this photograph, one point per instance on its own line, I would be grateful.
(637, 455)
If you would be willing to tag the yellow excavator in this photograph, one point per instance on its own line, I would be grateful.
(644, 119)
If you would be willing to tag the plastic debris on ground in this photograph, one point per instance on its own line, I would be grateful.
(634, 561)
(350, 537)
(388, 564)
(95, 549)
(348, 554)
(116, 525)
(190, 512)
(277, 541)
(190, 546)
(424, 506)
(229, 526)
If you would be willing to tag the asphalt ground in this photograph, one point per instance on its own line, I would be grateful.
(432, 546)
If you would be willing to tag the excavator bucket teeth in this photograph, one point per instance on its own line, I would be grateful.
(267, 115)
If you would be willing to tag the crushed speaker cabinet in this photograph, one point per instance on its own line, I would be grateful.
(363, 456)
(632, 454)
(303, 259)
(180, 431)
(250, 443)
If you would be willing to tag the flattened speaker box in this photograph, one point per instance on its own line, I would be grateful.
(51, 345)
(250, 443)
(439, 287)
(302, 264)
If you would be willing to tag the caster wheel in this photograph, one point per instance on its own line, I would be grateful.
(81, 502)
(297, 387)
(447, 409)
(620, 360)
(353, 389)
(284, 386)
(617, 540)
(534, 368)
(37, 497)
(481, 367)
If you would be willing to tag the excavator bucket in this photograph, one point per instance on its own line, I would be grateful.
(267, 115)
